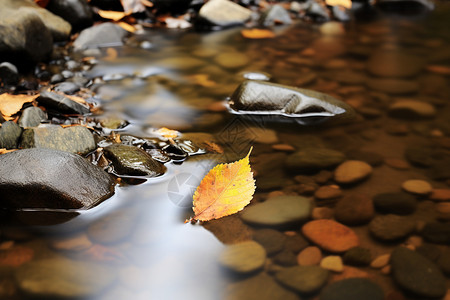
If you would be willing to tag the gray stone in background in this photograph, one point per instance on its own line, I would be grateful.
(132, 161)
(303, 279)
(32, 117)
(9, 74)
(23, 34)
(416, 274)
(276, 14)
(59, 29)
(77, 12)
(314, 159)
(61, 104)
(103, 35)
(62, 278)
(224, 13)
(68, 88)
(45, 178)
(9, 135)
(75, 139)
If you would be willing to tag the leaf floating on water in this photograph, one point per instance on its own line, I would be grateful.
(167, 133)
(225, 190)
(257, 33)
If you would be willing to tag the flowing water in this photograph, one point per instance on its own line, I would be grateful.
(136, 245)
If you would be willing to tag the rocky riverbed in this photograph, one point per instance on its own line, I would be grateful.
(105, 137)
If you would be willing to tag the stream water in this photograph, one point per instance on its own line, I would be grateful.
(136, 245)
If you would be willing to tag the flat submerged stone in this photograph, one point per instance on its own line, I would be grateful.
(278, 211)
(46, 178)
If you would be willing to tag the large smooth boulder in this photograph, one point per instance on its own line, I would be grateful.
(77, 12)
(45, 178)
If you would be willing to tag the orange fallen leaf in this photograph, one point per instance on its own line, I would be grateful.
(257, 33)
(167, 133)
(3, 150)
(344, 3)
(225, 190)
(127, 27)
(112, 15)
(12, 104)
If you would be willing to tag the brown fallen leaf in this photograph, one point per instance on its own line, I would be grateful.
(225, 190)
(12, 104)
(256, 33)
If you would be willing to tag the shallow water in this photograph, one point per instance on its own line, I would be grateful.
(139, 234)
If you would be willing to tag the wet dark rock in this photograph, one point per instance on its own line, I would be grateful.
(354, 209)
(228, 230)
(45, 178)
(75, 139)
(276, 14)
(171, 6)
(438, 233)
(272, 240)
(9, 74)
(77, 12)
(259, 287)
(296, 243)
(103, 35)
(68, 88)
(391, 227)
(303, 279)
(317, 12)
(357, 256)
(23, 34)
(425, 156)
(305, 106)
(224, 13)
(395, 203)
(430, 251)
(62, 278)
(129, 160)
(10, 134)
(372, 158)
(32, 117)
(285, 258)
(405, 7)
(278, 211)
(61, 103)
(314, 159)
(416, 274)
(352, 288)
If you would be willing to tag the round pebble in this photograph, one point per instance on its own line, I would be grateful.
(393, 86)
(285, 258)
(354, 209)
(352, 288)
(437, 232)
(391, 227)
(328, 192)
(357, 256)
(278, 211)
(417, 186)
(411, 109)
(416, 274)
(330, 235)
(380, 261)
(394, 64)
(443, 210)
(333, 263)
(272, 240)
(243, 257)
(440, 195)
(397, 163)
(352, 171)
(322, 213)
(309, 256)
(303, 279)
(395, 203)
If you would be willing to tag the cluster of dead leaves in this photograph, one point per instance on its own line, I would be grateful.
(225, 190)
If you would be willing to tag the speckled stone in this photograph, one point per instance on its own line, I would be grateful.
(417, 274)
(352, 171)
(243, 257)
(352, 288)
(391, 227)
(330, 235)
(303, 279)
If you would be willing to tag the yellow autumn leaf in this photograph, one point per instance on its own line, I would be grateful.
(127, 27)
(112, 15)
(225, 190)
(12, 104)
(345, 3)
(167, 133)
